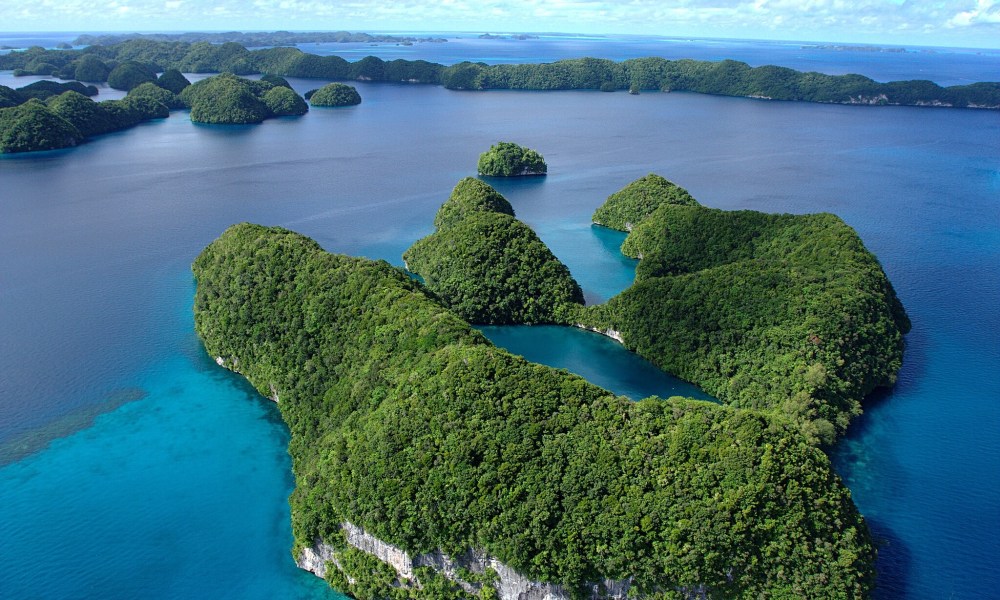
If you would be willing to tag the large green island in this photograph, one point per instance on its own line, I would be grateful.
(430, 464)
(778, 312)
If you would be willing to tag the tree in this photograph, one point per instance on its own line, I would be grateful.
(173, 80)
(130, 74)
(335, 94)
(91, 69)
(157, 94)
(225, 99)
(507, 159)
(32, 126)
(283, 101)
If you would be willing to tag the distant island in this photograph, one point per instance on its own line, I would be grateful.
(512, 36)
(228, 99)
(334, 94)
(48, 116)
(850, 48)
(253, 39)
(431, 464)
(507, 159)
(725, 78)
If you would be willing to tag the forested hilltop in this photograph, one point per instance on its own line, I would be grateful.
(405, 421)
(489, 267)
(48, 116)
(727, 78)
(785, 313)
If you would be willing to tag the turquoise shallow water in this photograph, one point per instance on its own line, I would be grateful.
(596, 358)
(180, 493)
(130, 465)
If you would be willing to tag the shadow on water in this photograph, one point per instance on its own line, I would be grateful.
(893, 564)
(225, 130)
(35, 440)
(511, 185)
(913, 371)
(872, 470)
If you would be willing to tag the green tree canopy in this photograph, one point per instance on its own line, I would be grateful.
(33, 126)
(276, 80)
(228, 99)
(173, 81)
(130, 74)
(157, 94)
(283, 101)
(471, 195)
(335, 94)
(89, 117)
(408, 423)
(91, 69)
(507, 159)
(638, 200)
(788, 313)
(9, 97)
(46, 89)
(489, 267)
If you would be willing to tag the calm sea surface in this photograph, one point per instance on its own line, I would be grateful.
(131, 466)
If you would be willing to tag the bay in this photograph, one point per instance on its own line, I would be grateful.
(132, 465)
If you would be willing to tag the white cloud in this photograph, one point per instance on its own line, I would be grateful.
(985, 12)
(919, 21)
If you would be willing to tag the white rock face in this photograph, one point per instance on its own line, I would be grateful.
(387, 553)
(314, 559)
(510, 584)
(611, 333)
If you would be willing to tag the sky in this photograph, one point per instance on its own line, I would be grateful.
(964, 23)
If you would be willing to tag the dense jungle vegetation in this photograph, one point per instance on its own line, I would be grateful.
(726, 78)
(334, 94)
(787, 313)
(407, 422)
(507, 159)
(637, 200)
(489, 267)
(67, 117)
(228, 99)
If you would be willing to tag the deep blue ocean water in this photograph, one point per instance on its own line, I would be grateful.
(130, 465)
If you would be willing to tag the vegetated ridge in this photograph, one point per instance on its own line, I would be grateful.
(229, 99)
(407, 423)
(778, 312)
(53, 115)
(489, 267)
(726, 78)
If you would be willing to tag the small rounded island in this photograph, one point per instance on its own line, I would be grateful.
(507, 159)
(335, 94)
